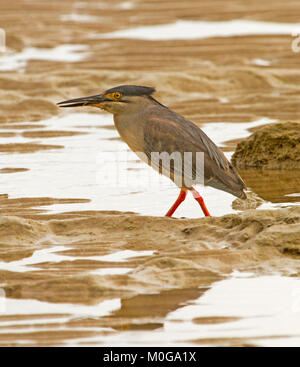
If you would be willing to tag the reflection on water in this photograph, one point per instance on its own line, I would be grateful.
(153, 307)
(128, 312)
(183, 29)
(63, 53)
(276, 186)
(246, 310)
(76, 143)
(267, 308)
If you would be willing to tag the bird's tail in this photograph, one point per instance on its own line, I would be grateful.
(230, 182)
(242, 195)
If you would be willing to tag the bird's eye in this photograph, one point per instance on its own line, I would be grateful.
(117, 95)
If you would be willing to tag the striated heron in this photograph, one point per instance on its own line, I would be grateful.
(147, 126)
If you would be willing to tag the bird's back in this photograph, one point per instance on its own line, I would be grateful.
(167, 131)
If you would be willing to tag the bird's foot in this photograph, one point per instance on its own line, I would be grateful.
(200, 200)
(180, 199)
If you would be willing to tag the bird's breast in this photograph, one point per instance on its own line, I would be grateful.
(131, 131)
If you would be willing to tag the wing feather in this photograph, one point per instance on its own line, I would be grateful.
(173, 133)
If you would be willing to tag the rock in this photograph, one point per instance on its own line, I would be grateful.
(253, 201)
(275, 146)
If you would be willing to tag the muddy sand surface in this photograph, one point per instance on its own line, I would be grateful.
(80, 267)
(275, 146)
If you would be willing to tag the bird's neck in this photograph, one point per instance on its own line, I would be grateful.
(130, 125)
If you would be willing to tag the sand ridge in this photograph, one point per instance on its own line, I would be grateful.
(53, 258)
(195, 77)
(276, 146)
(187, 252)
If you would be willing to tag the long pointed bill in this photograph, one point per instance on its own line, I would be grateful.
(98, 100)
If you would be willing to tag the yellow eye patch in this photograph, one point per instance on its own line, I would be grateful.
(114, 96)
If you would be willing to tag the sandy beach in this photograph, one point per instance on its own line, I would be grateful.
(85, 263)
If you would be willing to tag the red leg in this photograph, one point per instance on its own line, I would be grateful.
(180, 199)
(200, 200)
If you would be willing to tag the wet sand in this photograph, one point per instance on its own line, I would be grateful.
(202, 252)
(192, 76)
(80, 268)
(276, 146)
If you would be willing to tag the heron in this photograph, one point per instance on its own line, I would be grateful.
(148, 126)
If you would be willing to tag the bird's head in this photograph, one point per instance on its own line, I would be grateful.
(114, 100)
